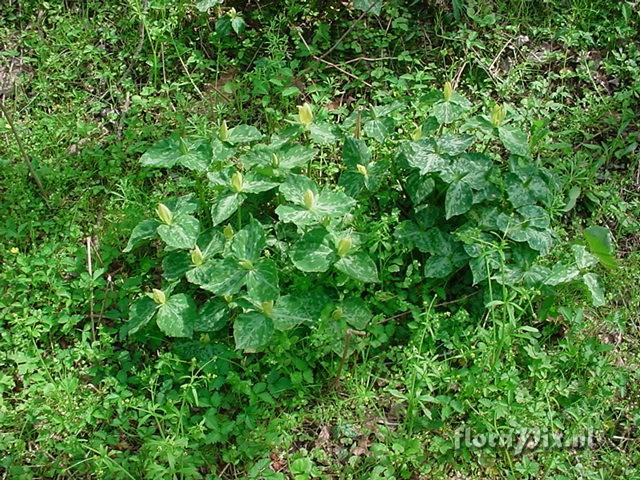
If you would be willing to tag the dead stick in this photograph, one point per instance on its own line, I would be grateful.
(23, 152)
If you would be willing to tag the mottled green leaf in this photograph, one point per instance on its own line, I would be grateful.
(262, 281)
(459, 199)
(438, 266)
(583, 258)
(163, 154)
(419, 187)
(514, 140)
(225, 206)
(197, 157)
(333, 204)
(177, 316)
(298, 308)
(321, 134)
(378, 129)
(313, 252)
(294, 187)
(356, 313)
(355, 152)
(145, 230)
(140, 313)
(175, 265)
(244, 134)
(373, 7)
(423, 156)
(600, 244)
(562, 273)
(205, 5)
(252, 331)
(593, 284)
(454, 145)
(182, 233)
(297, 215)
(447, 112)
(225, 277)
(249, 242)
(213, 316)
(358, 265)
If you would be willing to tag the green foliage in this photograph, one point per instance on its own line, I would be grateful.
(382, 330)
(479, 217)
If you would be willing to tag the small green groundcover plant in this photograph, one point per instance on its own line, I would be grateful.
(286, 232)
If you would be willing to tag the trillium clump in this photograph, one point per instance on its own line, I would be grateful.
(275, 243)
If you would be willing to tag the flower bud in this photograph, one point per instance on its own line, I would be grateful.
(275, 161)
(267, 308)
(236, 182)
(447, 91)
(344, 245)
(309, 199)
(228, 298)
(164, 214)
(184, 148)
(337, 314)
(417, 133)
(223, 131)
(228, 232)
(362, 169)
(196, 256)
(246, 264)
(305, 115)
(498, 115)
(158, 296)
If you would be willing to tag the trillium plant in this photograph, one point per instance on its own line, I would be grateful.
(347, 224)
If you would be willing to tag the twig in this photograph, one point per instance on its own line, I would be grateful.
(23, 152)
(320, 59)
(353, 25)
(123, 114)
(348, 74)
(345, 353)
(368, 59)
(497, 57)
(459, 74)
(90, 270)
(186, 70)
(457, 300)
